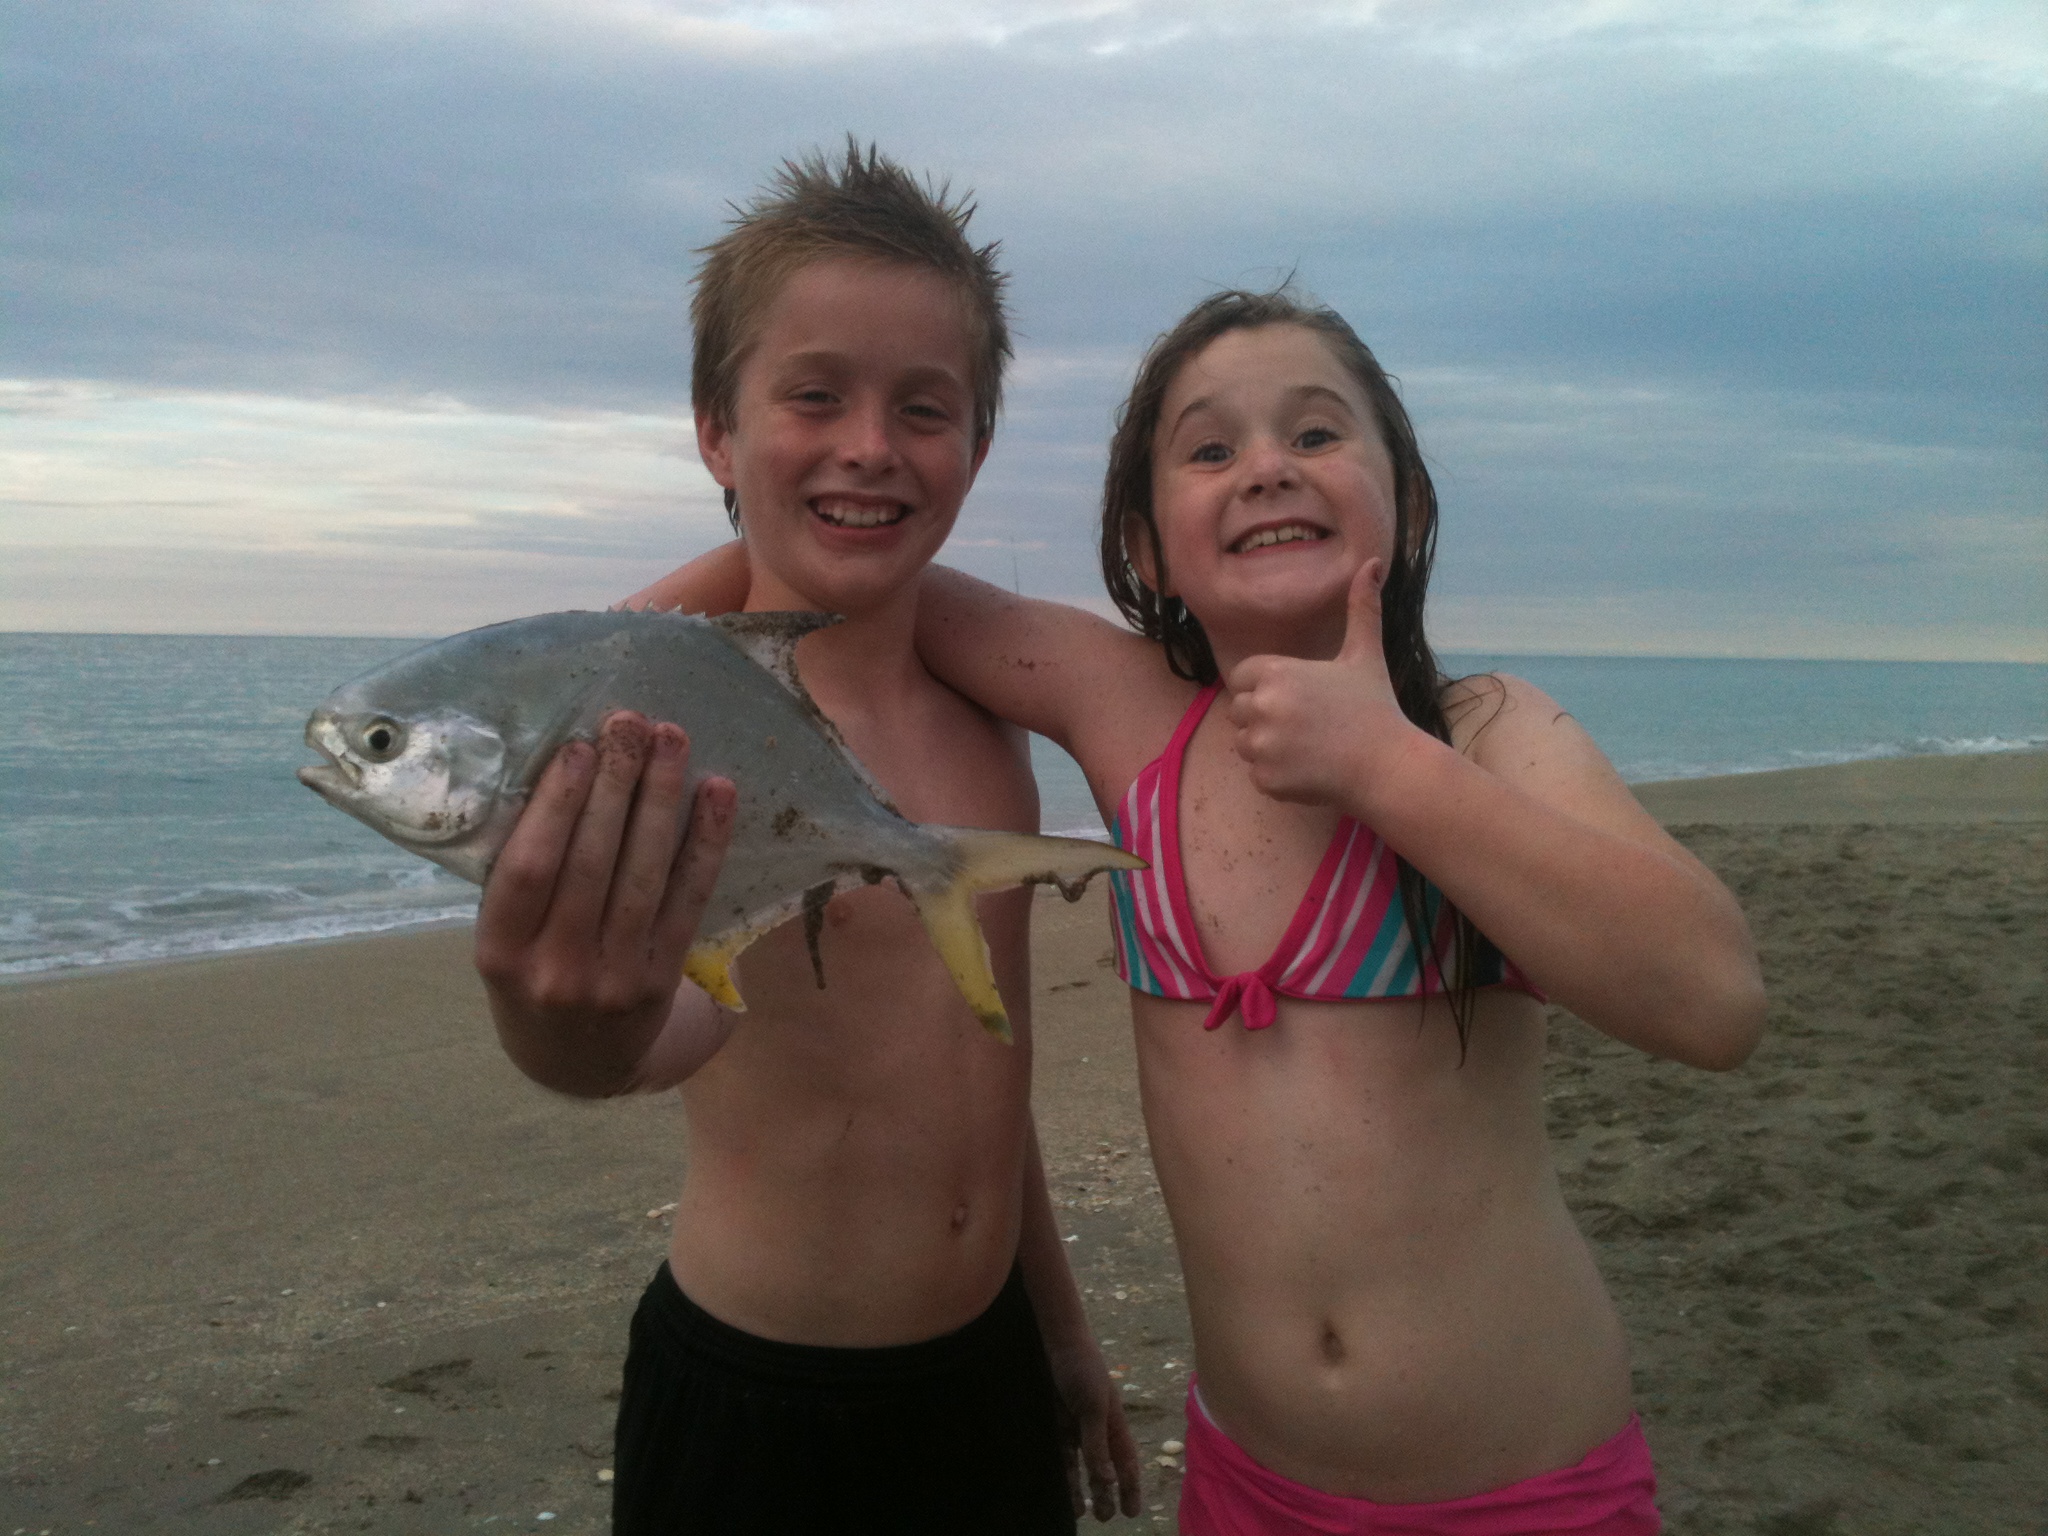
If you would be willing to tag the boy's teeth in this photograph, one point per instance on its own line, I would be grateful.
(851, 515)
(1286, 535)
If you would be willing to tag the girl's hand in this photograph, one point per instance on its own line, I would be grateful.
(1315, 731)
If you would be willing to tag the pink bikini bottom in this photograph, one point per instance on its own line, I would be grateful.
(1611, 1491)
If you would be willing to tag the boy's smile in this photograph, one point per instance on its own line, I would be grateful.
(853, 443)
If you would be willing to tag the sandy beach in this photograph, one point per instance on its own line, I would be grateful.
(289, 1246)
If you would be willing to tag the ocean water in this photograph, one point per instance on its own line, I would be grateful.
(148, 807)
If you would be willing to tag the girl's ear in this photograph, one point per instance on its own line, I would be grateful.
(1140, 549)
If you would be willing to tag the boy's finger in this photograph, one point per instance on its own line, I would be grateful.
(523, 876)
(1362, 622)
(584, 886)
(1123, 1451)
(648, 850)
(695, 872)
(1095, 1451)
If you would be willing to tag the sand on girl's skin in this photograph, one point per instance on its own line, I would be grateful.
(288, 1245)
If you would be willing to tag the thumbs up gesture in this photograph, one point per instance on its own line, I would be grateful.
(1314, 731)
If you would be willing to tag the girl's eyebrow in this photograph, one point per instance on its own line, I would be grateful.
(1296, 393)
(1323, 392)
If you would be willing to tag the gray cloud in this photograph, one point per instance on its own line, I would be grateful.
(1812, 227)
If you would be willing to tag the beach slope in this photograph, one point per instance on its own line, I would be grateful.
(289, 1245)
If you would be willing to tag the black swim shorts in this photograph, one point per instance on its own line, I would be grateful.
(725, 1434)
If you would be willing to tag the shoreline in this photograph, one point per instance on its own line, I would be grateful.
(2002, 786)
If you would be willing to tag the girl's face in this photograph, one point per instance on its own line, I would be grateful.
(1271, 488)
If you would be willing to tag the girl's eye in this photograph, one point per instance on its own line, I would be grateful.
(1316, 437)
(1210, 453)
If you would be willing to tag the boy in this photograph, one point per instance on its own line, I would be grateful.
(846, 1334)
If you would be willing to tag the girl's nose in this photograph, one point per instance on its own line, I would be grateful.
(1266, 467)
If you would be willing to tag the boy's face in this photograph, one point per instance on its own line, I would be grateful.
(852, 443)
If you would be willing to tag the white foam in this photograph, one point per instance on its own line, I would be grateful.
(1655, 771)
(263, 935)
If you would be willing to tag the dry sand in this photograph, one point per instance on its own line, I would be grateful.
(288, 1246)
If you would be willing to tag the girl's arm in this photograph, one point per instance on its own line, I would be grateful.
(715, 582)
(1051, 668)
(1098, 690)
(1528, 829)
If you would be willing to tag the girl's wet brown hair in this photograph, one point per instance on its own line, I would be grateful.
(1419, 684)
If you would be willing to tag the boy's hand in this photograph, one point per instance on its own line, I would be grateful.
(1312, 731)
(1098, 1440)
(594, 902)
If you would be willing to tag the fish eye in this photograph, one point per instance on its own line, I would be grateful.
(381, 740)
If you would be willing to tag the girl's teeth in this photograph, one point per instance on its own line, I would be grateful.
(1267, 536)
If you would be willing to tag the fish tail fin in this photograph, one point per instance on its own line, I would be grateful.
(994, 861)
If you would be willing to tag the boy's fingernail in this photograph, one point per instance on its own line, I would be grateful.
(668, 743)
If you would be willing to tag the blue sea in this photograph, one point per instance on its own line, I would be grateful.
(149, 807)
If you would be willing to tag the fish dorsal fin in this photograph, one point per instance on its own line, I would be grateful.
(769, 641)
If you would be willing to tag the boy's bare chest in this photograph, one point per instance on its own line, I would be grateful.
(1247, 858)
(940, 760)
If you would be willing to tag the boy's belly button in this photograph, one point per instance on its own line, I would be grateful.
(959, 1218)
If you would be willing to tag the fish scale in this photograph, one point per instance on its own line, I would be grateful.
(439, 749)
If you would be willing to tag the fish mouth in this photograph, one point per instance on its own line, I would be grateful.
(336, 780)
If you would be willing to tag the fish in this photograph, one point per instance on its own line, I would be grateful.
(440, 748)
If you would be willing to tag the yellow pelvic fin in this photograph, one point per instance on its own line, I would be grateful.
(710, 966)
(956, 933)
(994, 861)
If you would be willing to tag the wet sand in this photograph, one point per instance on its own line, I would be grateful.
(288, 1246)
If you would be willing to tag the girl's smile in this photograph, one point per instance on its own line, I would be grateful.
(1271, 488)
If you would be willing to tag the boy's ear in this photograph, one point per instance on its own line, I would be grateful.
(714, 446)
(980, 453)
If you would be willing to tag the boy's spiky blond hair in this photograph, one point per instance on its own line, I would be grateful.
(865, 206)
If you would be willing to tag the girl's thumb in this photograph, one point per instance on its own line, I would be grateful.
(1362, 627)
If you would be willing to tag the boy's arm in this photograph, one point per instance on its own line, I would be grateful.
(590, 909)
(1529, 830)
(1094, 1408)
(714, 582)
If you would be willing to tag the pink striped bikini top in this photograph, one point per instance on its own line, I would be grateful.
(1349, 938)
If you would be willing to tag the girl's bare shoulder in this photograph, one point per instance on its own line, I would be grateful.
(1508, 724)
(1513, 729)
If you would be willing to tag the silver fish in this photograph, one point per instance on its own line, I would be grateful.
(439, 749)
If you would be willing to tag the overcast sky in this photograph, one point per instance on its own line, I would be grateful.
(1725, 327)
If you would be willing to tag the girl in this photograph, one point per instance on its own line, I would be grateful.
(1364, 880)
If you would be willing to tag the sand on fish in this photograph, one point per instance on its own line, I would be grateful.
(288, 1245)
